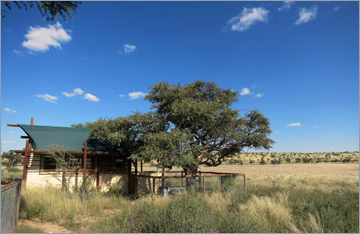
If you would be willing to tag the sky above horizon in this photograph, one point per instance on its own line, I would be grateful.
(296, 62)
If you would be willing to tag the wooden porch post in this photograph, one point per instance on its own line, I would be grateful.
(85, 157)
(141, 165)
(26, 161)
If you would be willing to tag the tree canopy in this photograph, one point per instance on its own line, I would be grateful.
(10, 159)
(48, 9)
(188, 126)
(202, 126)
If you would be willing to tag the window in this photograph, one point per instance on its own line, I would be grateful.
(105, 163)
(49, 163)
(90, 162)
(118, 163)
(75, 162)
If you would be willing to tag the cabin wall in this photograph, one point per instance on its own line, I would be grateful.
(40, 178)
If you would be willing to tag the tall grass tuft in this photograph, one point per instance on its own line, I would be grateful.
(54, 204)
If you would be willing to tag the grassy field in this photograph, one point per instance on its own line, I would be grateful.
(279, 198)
(11, 173)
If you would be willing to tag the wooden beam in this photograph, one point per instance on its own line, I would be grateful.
(69, 152)
(12, 125)
(85, 157)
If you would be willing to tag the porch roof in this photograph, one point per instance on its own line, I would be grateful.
(44, 137)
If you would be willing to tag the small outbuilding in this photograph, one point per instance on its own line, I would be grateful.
(106, 165)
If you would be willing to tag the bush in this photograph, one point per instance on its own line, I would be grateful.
(306, 160)
(86, 190)
(14, 170)
(117, 191)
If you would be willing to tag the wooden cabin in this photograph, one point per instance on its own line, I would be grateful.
(106, 165)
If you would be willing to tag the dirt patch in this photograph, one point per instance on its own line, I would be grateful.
(79, 225)
(45, 227)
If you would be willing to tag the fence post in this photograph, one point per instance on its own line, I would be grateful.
(245, 182)
(199, 180)
(18, 179)
(204, 184)
(182, 179)
(153, 184)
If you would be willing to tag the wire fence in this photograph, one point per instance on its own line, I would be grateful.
(170, 183)
(10, 202)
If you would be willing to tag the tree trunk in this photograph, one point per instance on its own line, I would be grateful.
(190, 182)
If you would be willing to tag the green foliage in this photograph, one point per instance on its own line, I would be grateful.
(337, 210)
(116, 191)
(190, 125)
(48, 9)
(10, 159)
(14, 170)
(207, 129)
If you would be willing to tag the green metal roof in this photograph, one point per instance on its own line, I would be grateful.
(44, 137)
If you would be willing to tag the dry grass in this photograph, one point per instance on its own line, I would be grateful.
(53, 204)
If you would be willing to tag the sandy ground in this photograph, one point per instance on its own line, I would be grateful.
(321, 169)
(45, 227)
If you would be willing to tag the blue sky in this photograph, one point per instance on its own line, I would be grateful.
(297, 62)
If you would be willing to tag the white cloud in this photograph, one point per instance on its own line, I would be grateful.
(244, 91)
(91, 97)
(247, 18)
(336, 8)
(77, 91)
(135, 95)
(293, 125)
(7, 142)
(39, 39)
(11, 132)
(315, 126)
(47, 97)
(286, 5)
(122, 95)
(128, 49)
(305, 15)
(9, 110)
(259, 95)
(18, 52)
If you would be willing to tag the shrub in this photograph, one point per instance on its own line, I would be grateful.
(14, 170)
(117, 191)
(306, 160)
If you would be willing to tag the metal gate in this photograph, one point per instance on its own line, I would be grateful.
(10, 202)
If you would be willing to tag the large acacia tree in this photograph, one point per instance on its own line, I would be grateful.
(200, 126)
(190, 125)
